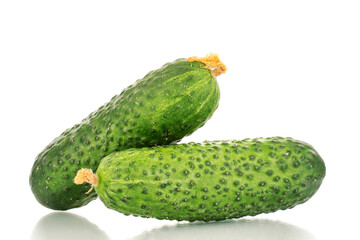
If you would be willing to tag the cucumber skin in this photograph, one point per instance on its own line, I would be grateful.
(211, 181)
(162, 108)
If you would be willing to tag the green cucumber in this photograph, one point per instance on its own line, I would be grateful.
(211, 181)
(162, 108)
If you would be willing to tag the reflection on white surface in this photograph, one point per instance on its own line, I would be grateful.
(62, 225)
(228, 230)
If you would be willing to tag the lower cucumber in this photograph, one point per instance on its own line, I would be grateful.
(210, 181)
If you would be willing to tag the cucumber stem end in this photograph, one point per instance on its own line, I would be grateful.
(212, 62)
(86, 175)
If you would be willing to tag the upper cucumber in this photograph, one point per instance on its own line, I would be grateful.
(211, 181)
(162, 108)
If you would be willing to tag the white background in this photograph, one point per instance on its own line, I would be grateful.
(293, 70)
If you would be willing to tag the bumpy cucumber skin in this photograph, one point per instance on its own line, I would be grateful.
(211, 181)
(162, 108)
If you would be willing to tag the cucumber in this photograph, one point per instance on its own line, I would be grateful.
(214, 180)
(162, 108)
